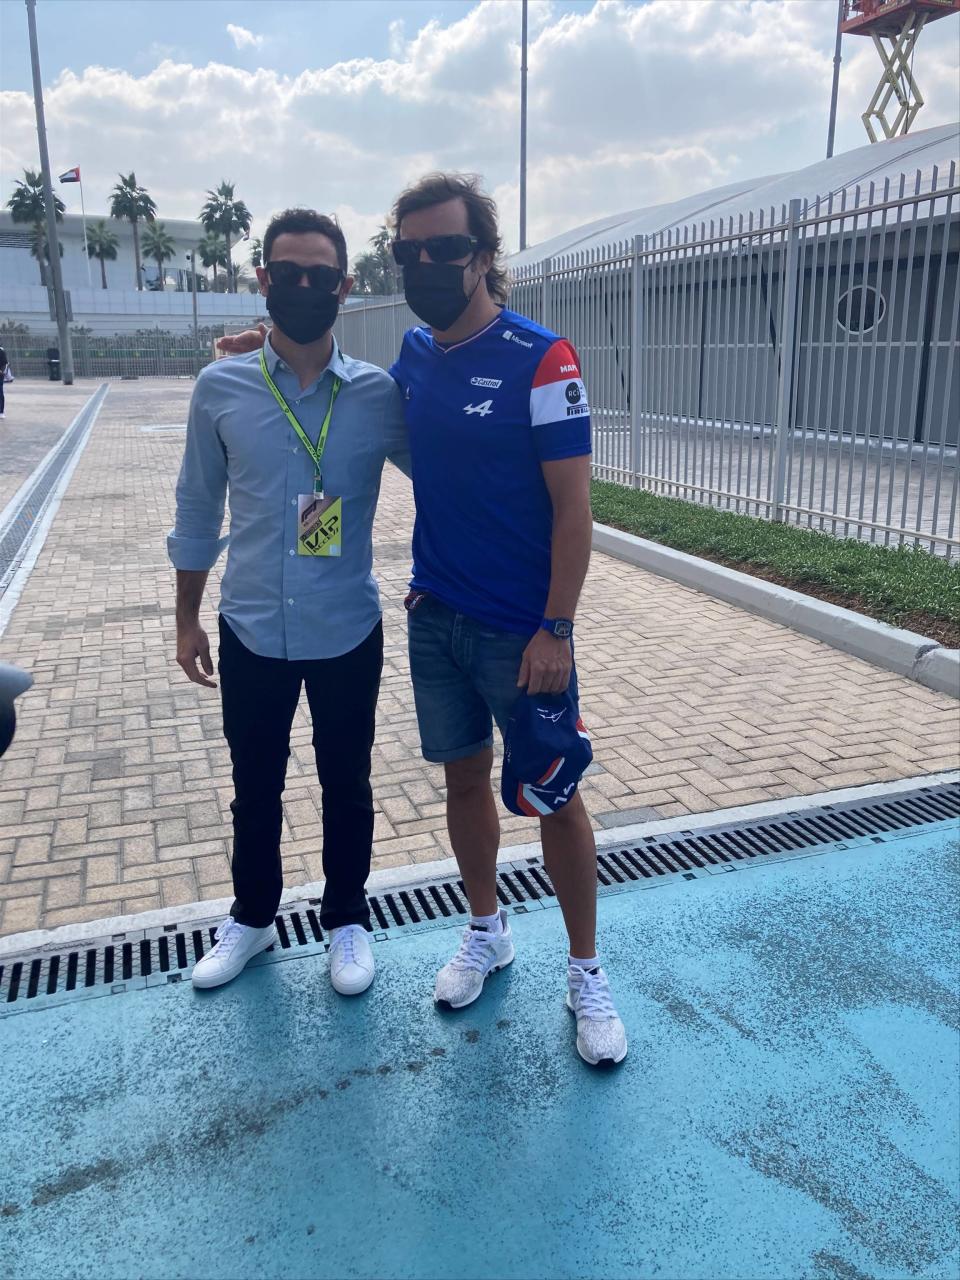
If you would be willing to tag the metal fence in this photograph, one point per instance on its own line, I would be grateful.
(144, 354)
(799, 365)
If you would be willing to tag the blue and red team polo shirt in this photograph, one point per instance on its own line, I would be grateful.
(482, 415)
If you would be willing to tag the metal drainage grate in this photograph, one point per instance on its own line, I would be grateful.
(15, 534)
(158, 956)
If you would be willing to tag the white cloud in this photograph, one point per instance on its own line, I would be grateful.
(242, 38)
(630, 105)
(397, 37)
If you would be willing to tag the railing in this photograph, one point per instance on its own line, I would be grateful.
(128, 355)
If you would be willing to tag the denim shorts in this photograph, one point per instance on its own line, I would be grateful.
(464, 679)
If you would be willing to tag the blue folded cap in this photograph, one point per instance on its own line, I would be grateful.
(545, 751)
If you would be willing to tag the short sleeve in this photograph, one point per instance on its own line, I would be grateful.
(559, 411)
(396, 370)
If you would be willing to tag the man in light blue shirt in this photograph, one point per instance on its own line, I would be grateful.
(296, 437)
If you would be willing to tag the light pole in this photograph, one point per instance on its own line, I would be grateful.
(192, 259)
(53, 244)
(832, 127)
(523, 126)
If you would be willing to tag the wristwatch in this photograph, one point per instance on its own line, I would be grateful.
(562, 628)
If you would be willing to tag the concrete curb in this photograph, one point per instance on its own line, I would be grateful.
(905, 652)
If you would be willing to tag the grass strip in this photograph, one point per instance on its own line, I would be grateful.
(903, 586)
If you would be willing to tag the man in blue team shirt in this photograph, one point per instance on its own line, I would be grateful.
(500, 444)
(297, 435)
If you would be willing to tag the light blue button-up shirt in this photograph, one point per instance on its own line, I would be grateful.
(240, 445)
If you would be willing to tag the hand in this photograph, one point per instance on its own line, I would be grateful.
(239, 344)
(192, 643)
(547, 664)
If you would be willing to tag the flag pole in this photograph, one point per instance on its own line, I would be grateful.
(523, 125)
(83, 214)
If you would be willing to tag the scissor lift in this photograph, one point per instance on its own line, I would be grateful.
(894, 26)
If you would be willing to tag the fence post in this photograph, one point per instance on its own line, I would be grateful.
(787, 358)
(545, 293)
(637, 287)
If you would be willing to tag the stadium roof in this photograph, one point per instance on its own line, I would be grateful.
(871, 163)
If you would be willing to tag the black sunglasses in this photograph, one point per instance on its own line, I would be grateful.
(321, 277)
(439, 248)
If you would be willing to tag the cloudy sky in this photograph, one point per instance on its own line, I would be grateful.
(339, 103)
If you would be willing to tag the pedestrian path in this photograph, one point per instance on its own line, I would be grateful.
(37, 415)
(115, 795)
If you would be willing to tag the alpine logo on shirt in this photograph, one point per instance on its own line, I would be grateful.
(483, 408)
(558, 392)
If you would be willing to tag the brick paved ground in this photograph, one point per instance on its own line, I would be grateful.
(37, 415)
(115, 795)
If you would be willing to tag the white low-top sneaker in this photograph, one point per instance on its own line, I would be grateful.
(351, 959)
(480, 953)
(235, 945)
(601, 1038)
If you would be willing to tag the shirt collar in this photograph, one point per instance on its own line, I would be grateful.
(337, 365)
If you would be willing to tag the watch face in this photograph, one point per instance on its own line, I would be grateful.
(563, 630)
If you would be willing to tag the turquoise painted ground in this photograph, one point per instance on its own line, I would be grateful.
(789, 1107)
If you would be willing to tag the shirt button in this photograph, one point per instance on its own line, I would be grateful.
(290, 601)
(291, 552)
(293, 502)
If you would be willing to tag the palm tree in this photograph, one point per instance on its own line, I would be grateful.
(27, 204)
(159, 245)
(213, 252)
(381, 245)
(256, 252)
(102, 244)
(40, 249)
(227, 215)
(375, 272)
(367, 275)
(130, 202)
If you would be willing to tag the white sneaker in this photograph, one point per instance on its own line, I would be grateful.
(480, 953)
(351, 959)
(235, 945)
(601, 1037)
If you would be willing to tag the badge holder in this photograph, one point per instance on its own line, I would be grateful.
(319, 523)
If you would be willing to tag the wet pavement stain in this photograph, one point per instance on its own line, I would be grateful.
(911, 1232)
(220, 1134)
(681, 1010)
(830, 1266)
(77, 1179)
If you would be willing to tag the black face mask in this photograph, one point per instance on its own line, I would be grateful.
(434, 292)
(303, 314)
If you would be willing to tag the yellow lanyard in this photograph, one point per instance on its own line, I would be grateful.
(315, 451)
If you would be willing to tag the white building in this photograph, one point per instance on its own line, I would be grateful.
(121, 307)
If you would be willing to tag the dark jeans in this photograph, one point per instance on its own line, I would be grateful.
(260, 697)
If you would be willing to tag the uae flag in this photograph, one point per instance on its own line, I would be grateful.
(72, 175)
